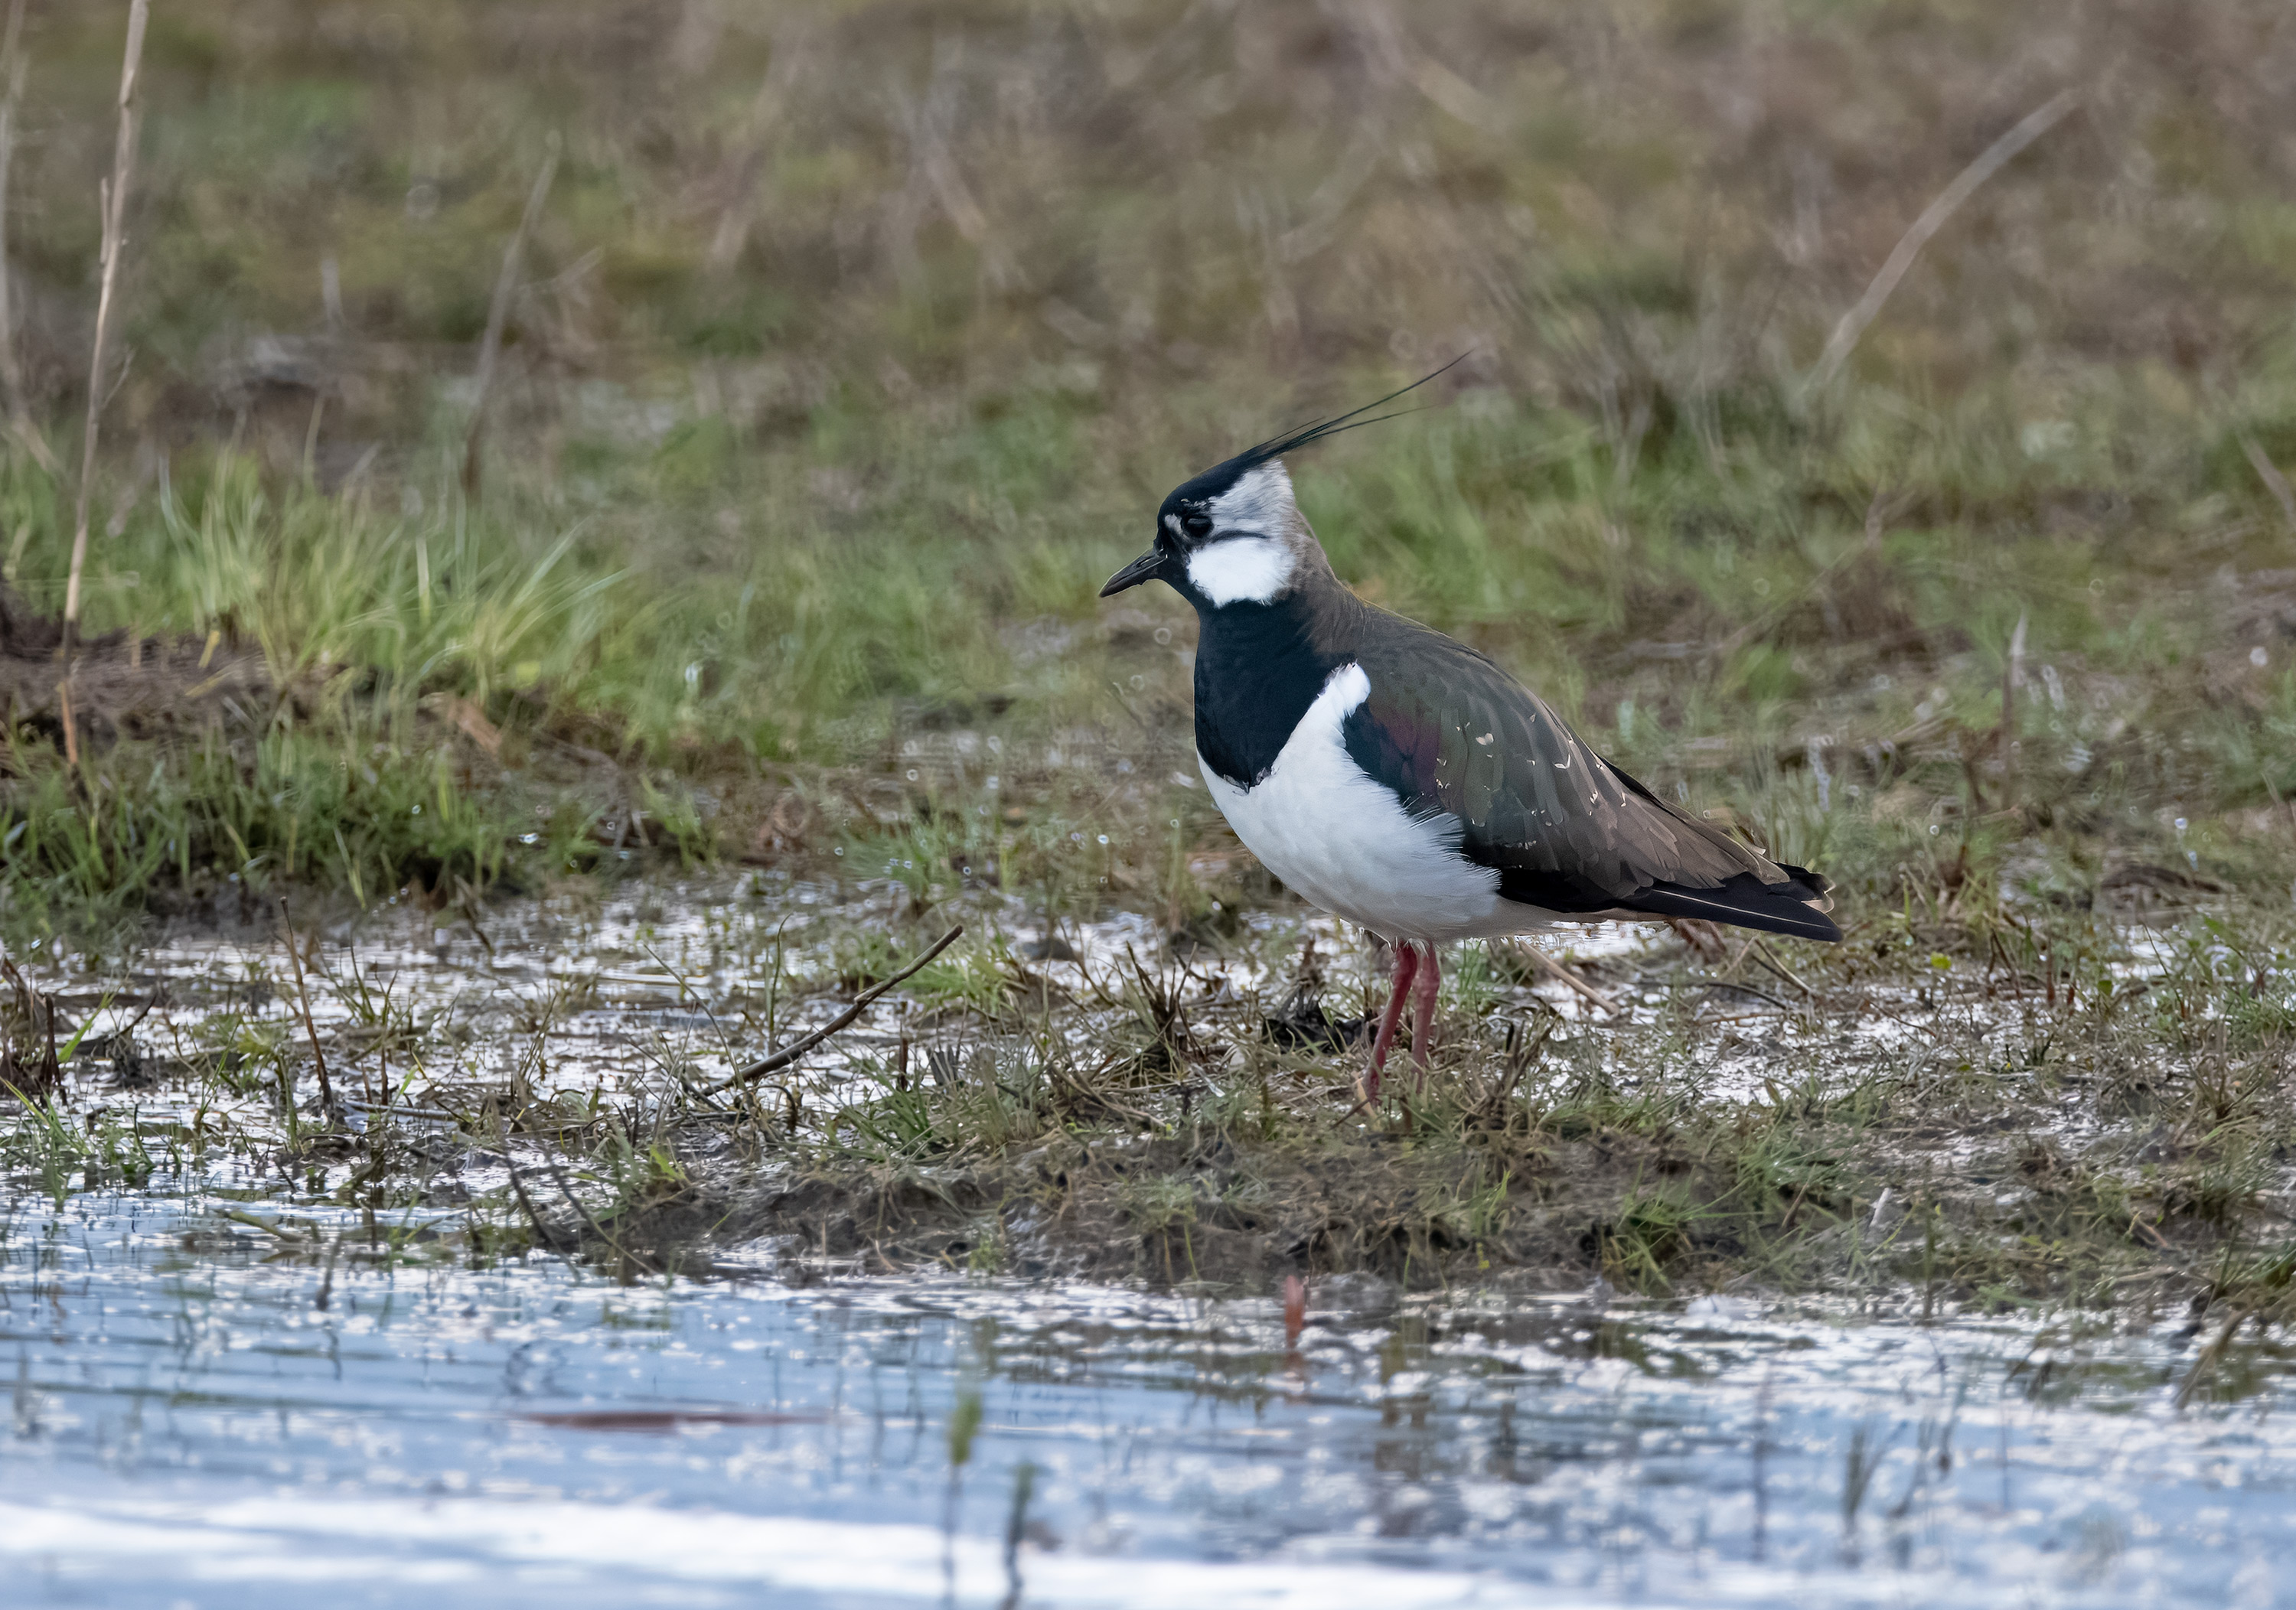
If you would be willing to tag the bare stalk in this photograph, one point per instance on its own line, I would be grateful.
(1563, 974)
(2012, 678)
(498, 314)
(113, 197)
(788, 1054)
(303, 1000)
(738, 184)
(1990, 161)
(11, 368)
(2266, 470)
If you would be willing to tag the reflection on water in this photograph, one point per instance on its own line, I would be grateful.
(203, 1428)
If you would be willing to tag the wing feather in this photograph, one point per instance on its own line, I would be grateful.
(1454, 736)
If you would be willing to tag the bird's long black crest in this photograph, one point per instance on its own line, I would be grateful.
(1302, 435)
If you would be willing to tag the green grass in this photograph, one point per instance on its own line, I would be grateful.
(756, 525)
(2141, 698)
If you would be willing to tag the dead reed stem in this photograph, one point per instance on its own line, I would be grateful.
(1990, 161)
(303, 1000)
(790, 1053)
(2259, 460)
(12, 366)
(1563, 976)
(113, 198)
(590, 1219)
(2013, 677)
(498, 314)
(737, 186)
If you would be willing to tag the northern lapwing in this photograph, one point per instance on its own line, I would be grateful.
(1402, 781)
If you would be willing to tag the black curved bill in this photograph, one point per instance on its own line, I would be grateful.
(1147, 567)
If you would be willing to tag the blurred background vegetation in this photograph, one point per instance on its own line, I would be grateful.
(855, 343)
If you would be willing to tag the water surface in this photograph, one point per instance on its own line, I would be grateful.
(207, 1414)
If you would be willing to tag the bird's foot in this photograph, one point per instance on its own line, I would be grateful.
(1430, 980)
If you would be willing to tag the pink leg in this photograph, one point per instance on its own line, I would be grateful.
(1423, 1009)
(1407, 963)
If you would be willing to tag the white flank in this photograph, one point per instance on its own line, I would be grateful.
(1237, 569)
(1343, 842)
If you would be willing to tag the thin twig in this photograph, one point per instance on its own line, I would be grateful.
(1554, 969)
(499, 313)
(2207, 1359)
(1994, 157)
(738, 177)
(541, 1230)
(113, 197)
(1721, 984)
(1518, 1058)
(790, 1053)
(303, 998)
(2259, 460)
(567, 1191)
(1769, 617)
(436, 1115)
(1763, 953)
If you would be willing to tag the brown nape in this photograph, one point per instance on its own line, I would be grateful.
(1335, 611)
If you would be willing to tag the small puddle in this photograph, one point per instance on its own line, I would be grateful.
(211, 1428)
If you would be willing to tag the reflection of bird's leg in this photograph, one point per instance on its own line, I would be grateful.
(1407, 963)
(1423, 1011)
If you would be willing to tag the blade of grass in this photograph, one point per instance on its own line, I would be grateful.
(113, 196)
(303, 1000)
(499, 313)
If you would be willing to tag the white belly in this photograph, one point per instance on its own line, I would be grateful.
(1341, 841)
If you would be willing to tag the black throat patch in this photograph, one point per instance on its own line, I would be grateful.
(1258, 666)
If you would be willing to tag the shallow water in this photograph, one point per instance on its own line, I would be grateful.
(206, 1412)
(204, 1427)
(691, 980)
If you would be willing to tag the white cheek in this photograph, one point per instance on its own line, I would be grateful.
(1241, 569)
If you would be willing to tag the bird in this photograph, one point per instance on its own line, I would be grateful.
(1403, 781)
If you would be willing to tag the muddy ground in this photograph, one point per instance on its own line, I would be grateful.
(1655, 1114)
(121, 684)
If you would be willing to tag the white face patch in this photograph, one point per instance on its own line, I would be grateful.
(1248, 559)
(1239, 569)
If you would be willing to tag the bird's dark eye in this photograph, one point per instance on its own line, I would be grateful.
(1197, 525)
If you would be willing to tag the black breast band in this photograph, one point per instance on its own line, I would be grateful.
(1258, 667)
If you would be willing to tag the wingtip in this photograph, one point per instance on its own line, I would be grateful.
(1823, 927)
(1820, 887)
(1796, 910)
